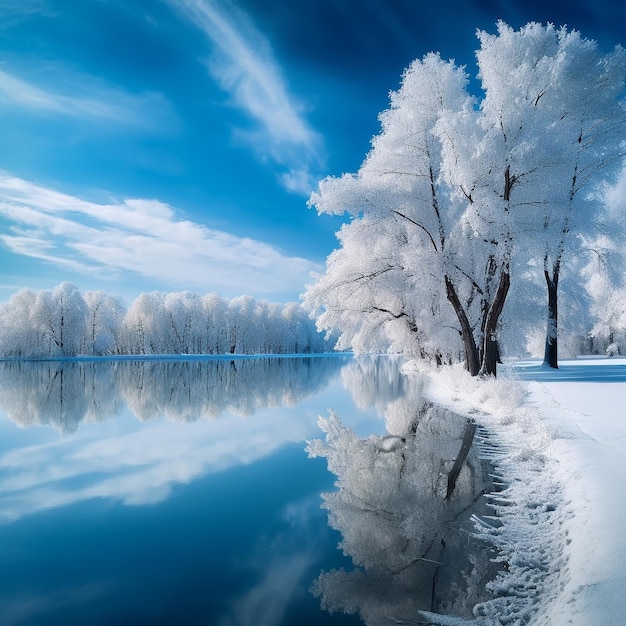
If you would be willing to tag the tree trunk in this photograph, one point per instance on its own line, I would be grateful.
(550, 357)
(469, 343)
(491, 353)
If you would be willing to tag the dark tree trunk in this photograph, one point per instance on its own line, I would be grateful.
(469, 343)
(491, 353)
(550, 357)
(489, 365)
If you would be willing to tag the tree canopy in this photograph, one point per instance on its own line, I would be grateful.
(464, 197)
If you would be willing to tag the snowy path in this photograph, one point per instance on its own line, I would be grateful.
(584, 403)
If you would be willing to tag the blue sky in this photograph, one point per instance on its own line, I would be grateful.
(172, 144)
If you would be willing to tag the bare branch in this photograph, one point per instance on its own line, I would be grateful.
(420, 226)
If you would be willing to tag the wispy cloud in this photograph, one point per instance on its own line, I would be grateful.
(15, 11)
(81, 96)
(244, 66)
(145, 237)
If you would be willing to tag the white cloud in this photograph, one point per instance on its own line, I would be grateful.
(81, 96)
(145, 237)
(244, 66)
(298, 181)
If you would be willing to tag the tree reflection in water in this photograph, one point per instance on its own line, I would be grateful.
(66, 393)
(412, 546)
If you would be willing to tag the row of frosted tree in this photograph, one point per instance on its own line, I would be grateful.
(63, 322)
(483, 206)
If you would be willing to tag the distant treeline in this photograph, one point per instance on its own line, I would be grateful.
(63, 322)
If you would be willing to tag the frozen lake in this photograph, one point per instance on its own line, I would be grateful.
(181, 492)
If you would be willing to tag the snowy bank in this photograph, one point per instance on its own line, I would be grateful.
(558, 442)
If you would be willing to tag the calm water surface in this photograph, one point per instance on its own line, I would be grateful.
(181, 492)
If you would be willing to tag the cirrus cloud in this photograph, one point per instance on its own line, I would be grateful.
(80, 96)
(144, 237)
(244, 66)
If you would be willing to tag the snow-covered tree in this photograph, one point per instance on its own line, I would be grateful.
(558, 101)
(240, 333)
(61, 322)
(605, 274)
(102, 326)
(18, 335)
(455, 188)
(382, 288)
(215, 318)
(183, 312)
(59, 316)
(145, 326)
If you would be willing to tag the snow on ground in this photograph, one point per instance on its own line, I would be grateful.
(560, 448)
(584, 404)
